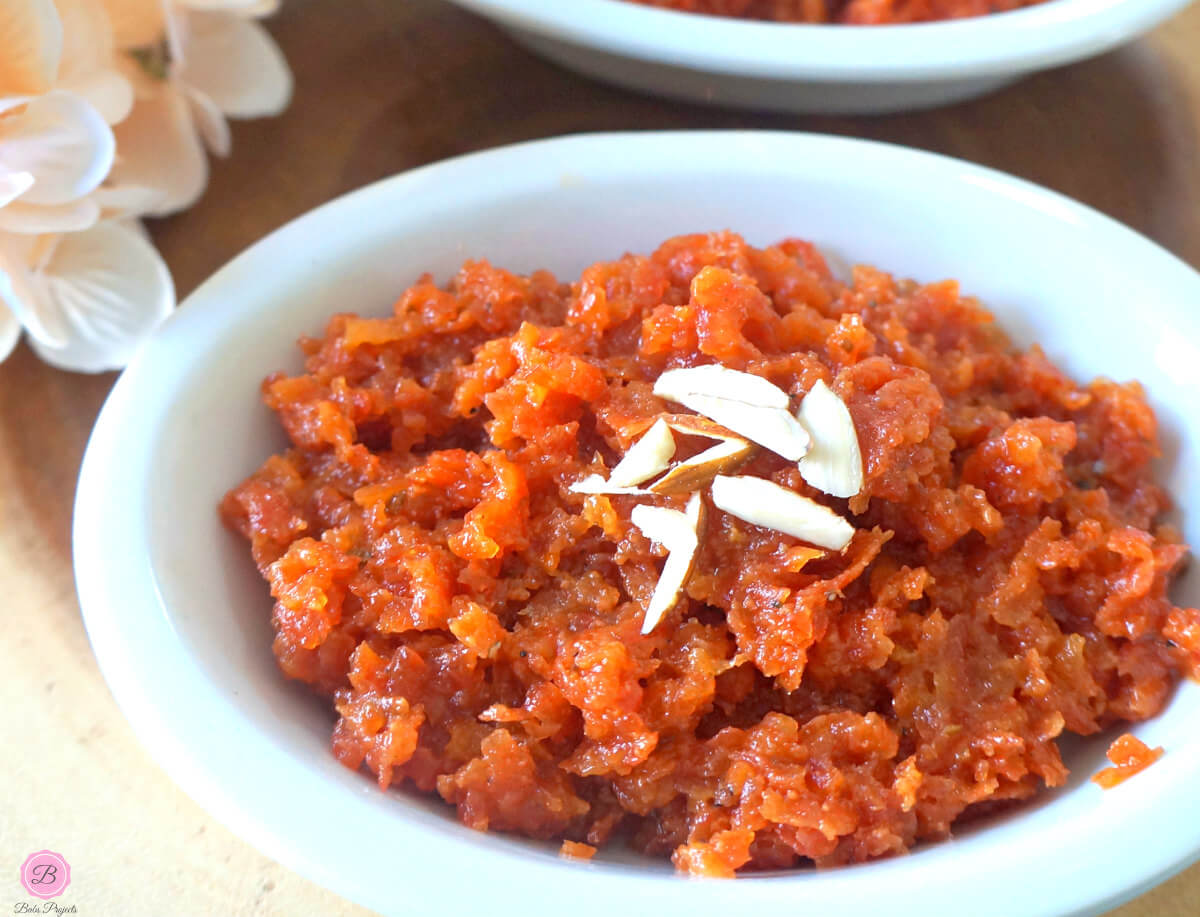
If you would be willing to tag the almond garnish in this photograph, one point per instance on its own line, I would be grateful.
(834, 461)
(723, 382)
(694, 510)
(748, 405)
(675, 531)
(772, 428)
(695, 425)
(763, 502)
(649, 456)
(595, 484)
(694, 473)
(700, 469)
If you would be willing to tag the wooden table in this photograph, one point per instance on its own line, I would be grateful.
(381, 86)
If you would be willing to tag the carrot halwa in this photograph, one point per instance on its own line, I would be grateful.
(847, 12)
(477, 623)
(1129, 755)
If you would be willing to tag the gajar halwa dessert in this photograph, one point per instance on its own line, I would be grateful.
(712, 553)
(1129, 755)
(847, 12)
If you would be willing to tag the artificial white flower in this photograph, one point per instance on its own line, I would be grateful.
(217, 63)
(86, 292)
(92, 296)
(10, 329)
(141, 23)
(89, 65)
(77, 269)
(55, 149)
(31, 40)
(136, 23)
(55, 146)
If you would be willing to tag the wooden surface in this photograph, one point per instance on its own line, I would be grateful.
(381, 86)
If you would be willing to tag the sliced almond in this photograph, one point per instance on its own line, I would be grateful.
(695, 512)
(747, 404)
(834, 461)
(676, 532)
(595, 484)
(721, 381)
(649, 456)
(695, 425)
(765, 503)
(698, 471)
(667, 527)
(772, 428)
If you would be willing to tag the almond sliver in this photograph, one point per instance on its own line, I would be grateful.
(695, 425)
(772, 428)
(700, 469)
(595, 484)
(721, 381)
(667, 527)
(669, 589)
(676, 532)
(762, 502)
(747, 404)
(649, 456)
(833, 464)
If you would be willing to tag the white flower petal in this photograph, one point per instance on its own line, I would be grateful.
(210, 123)
(109, 92)
(136, 22)
(89, 65)
(87, 36)
(22, 290)
(253, 8)
(121, 201)
(145, 84)
(138, 227)
(178, 28)
(34, 219)
(237, 64)
(159, 150)
(31, 38)
(13, 185)
(63, 141)
(110, 289)
(10, 332)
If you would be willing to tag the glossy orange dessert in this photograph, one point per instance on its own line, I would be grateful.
(1129, 755)
(713, 553)
(848, 12)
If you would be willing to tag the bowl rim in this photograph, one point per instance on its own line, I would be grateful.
(123, 613)
(1022, 40)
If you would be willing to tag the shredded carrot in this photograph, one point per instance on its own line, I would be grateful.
(1129, 756)
(577, 851)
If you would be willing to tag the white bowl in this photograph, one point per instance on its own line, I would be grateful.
(178, 617)
(817, 68)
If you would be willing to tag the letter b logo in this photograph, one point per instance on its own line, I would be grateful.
(45, 874)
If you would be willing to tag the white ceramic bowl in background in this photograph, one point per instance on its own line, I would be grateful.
(816, 68)
(179, 619)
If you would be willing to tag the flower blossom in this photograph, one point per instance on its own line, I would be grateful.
(106, 107)
(216, 63)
